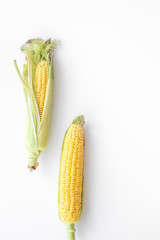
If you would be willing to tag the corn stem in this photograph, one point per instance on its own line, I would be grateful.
(70, 229)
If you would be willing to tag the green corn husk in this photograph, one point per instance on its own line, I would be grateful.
(36, 133)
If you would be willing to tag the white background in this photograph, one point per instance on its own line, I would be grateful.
(107, 68)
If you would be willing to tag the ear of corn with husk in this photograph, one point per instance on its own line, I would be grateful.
(37, 80)
(71, 176)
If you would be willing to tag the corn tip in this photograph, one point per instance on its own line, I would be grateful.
(79, 120)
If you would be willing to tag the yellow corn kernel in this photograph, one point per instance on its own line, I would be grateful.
(71, 174)
(41, 80)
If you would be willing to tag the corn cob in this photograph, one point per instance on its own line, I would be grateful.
(41, 80)
(71, 176)
(37, 80)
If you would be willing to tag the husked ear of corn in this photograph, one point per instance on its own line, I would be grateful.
(71, 176)
(37, 80)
